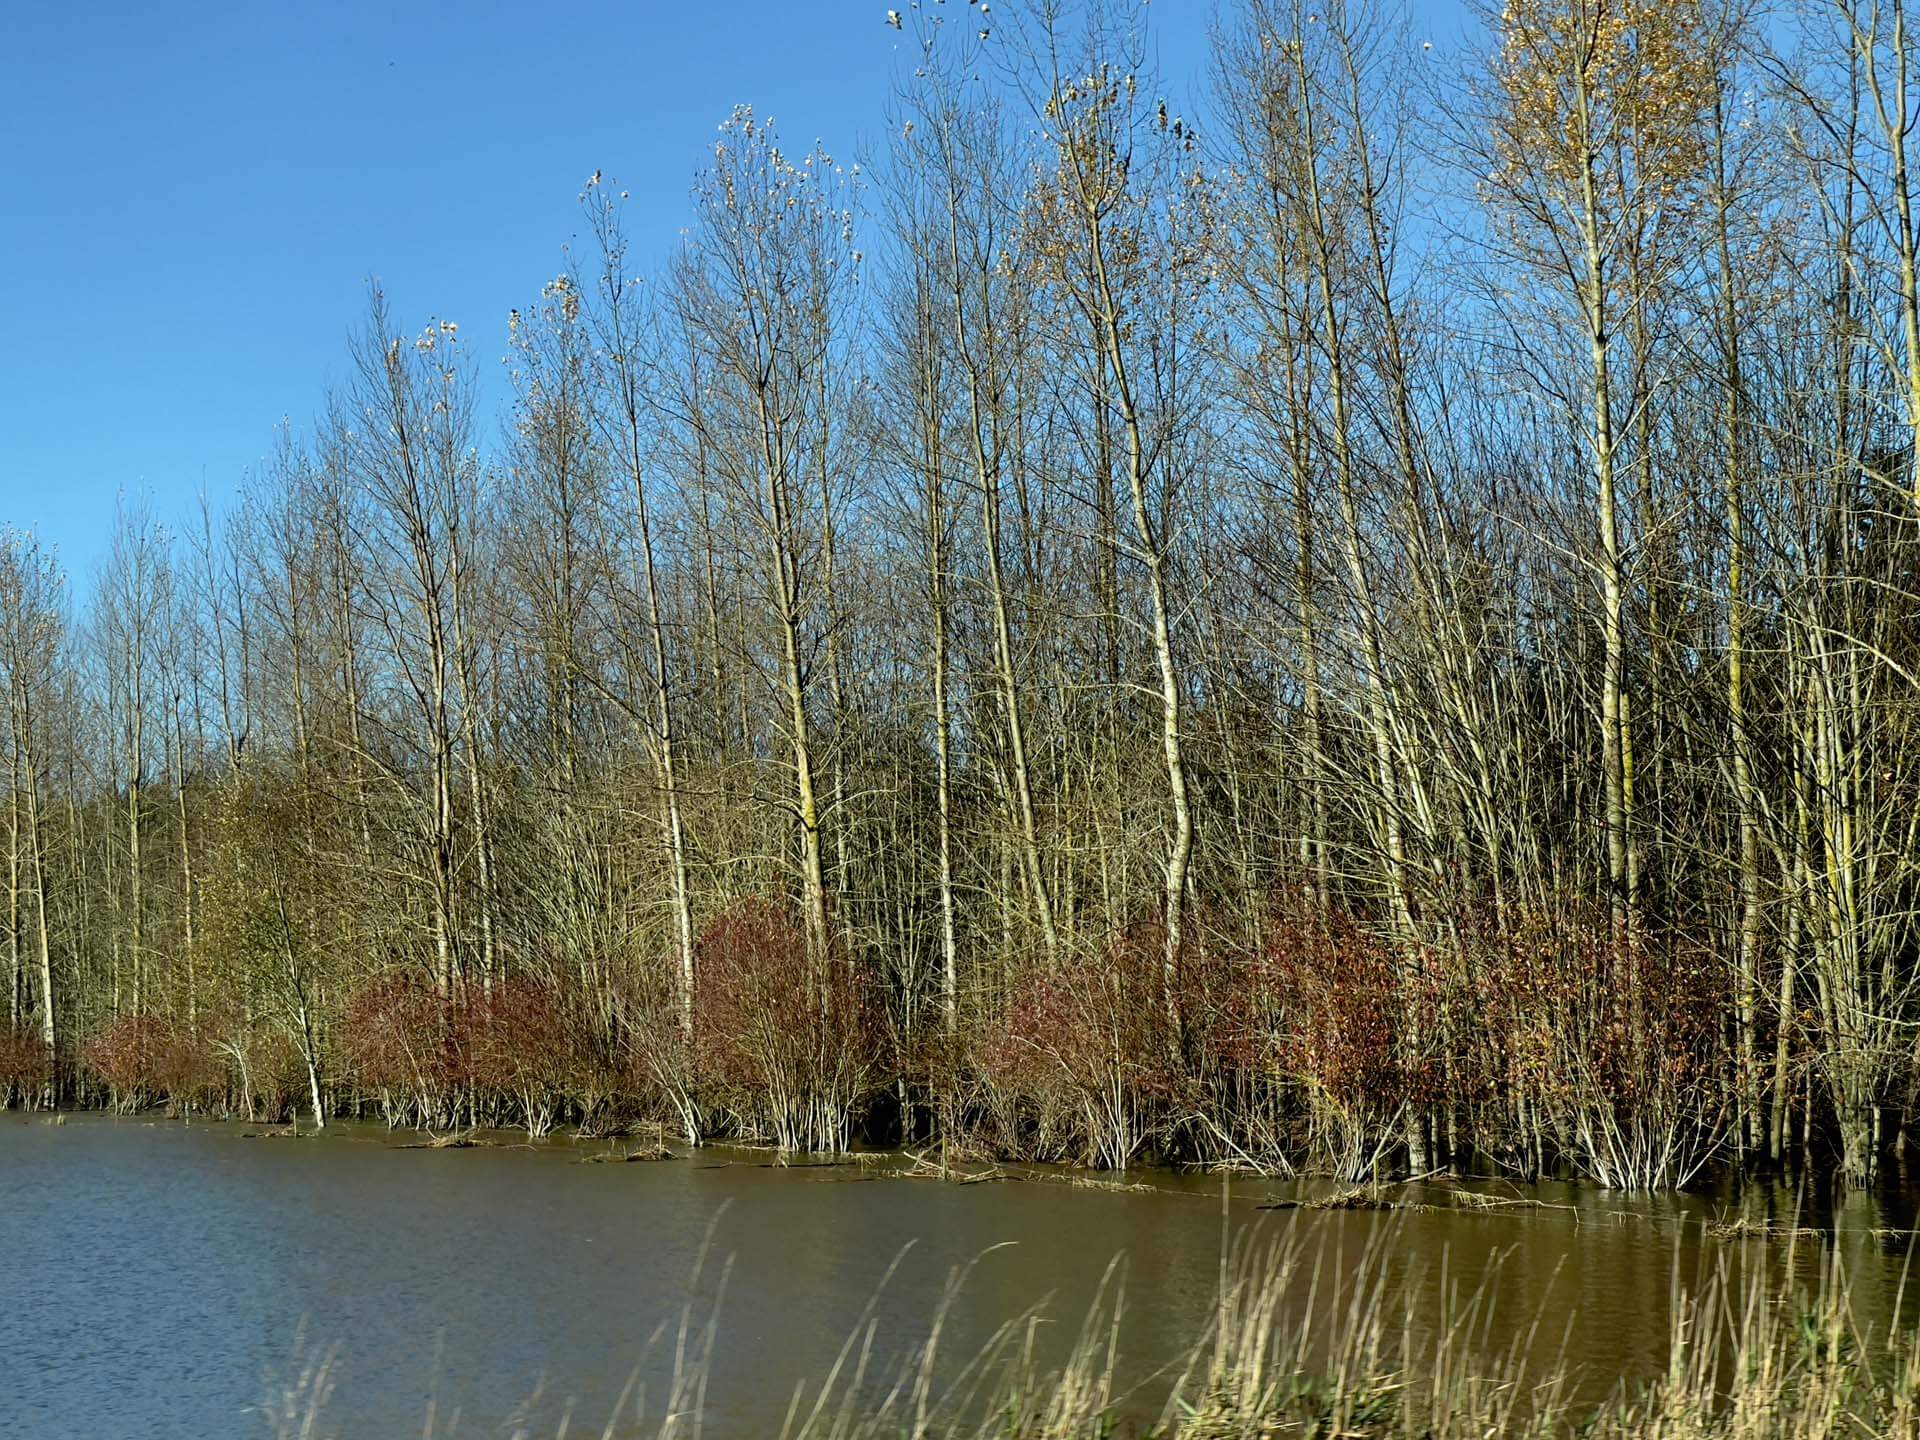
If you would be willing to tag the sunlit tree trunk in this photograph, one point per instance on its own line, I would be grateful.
(973, 287)
(617, 326)
(1745, 795)
(30, 643)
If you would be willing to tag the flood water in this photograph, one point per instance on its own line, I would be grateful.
(156, 1278)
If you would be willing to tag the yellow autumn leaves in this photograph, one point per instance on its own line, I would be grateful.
(1616, 93)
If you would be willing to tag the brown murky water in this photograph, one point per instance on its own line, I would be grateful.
(155, 1278)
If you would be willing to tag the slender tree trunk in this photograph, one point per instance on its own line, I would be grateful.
(933, 459)
(1153, 556)
(1746, 804)
(788, 606)
(666, 720)
(16, 977)
(1379, 720)
(1616, 761)
(986, 472)
(189, 942)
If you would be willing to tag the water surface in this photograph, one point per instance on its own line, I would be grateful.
(154, 1276)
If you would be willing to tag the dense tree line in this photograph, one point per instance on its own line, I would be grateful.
(1372, 629)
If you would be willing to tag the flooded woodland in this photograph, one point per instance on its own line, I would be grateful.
(1325, 647)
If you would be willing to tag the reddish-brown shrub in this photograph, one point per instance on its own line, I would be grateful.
(1558, 1046)
(393, 1037)
(793, 1035)
(1355, 1035)
(26, 1067)
(1224, 997)
(278, 1071)
(1095, 1034)
(1344, 996)
(143, 1059)
(656, 1052)
(1235, 1106)
(125, 1056)
(187, 1070)
(1619, 1053)
(514, 1040)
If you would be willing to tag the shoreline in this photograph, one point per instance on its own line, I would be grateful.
(1722, 1211)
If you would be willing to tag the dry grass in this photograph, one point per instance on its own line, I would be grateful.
(1745, 1227)
(926, 1165)
(1481, 1200)
(452, 1140)
(1354, 1197)
(634, 1154)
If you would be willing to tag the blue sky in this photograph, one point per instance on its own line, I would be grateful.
(193, 197)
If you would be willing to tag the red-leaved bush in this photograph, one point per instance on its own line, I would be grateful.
(187, 1070)
(1344, 999)
(514, 1040)
(1610, 1056)
(143, 1059)
(26, 1068)
(393, 1038)
(1087, 1050)
(792, 1038)
(125, 1056)
(656, 1050)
